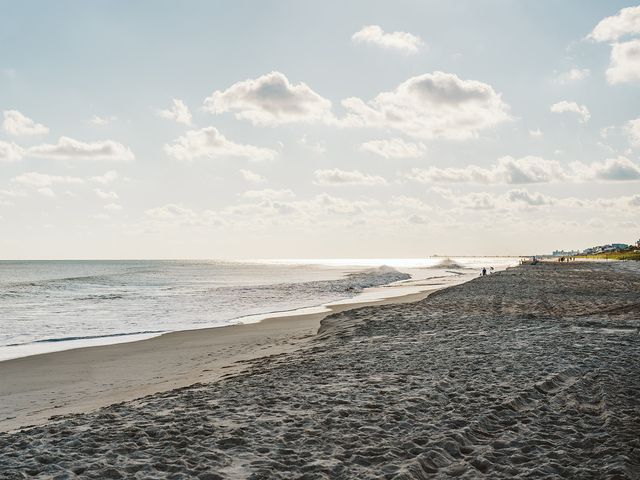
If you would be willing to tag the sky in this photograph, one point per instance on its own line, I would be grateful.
(308, 129)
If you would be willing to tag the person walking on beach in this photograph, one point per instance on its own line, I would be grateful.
(484, 271)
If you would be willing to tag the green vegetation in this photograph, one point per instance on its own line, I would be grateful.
(623, 255)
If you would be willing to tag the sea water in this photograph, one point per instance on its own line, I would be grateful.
(47, 306)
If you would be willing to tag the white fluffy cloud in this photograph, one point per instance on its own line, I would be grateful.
(252, 177)
(175, 214)
(612, 169)
(269, 194)
(572, 107)
(15, 123)
(70, 149)
(632, 129)
(101, 121)
(178, 112)
(41, 180)
(394, 148)
(210, 143)
(105, 195)
(270, 100)
(626, 22)
(321, 209)
(401, 41)
(508, 170)
(10, 152)
(409, 203)
(537, 133)
(625, 63)
(574, 75)
(433, 105)
(512, 200)
(515, 171)
(337, 178)
(108, 177)
(317, 147)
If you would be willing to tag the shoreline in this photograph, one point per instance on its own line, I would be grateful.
(86, 378)
(46, 346)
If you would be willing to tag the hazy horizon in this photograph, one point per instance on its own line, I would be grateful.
(283, 129)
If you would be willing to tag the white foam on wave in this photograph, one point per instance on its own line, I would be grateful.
(446, 263)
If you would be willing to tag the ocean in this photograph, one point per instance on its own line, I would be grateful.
(47, 306)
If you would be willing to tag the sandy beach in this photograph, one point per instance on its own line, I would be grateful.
(37, 387)
(530, 373)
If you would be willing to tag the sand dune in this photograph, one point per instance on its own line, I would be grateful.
(528, 373)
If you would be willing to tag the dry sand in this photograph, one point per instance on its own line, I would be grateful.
(528, 373)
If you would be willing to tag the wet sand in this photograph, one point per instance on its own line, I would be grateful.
(35, 388)
(528, 373)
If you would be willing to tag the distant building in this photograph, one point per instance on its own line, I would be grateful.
(620, 246)
(610, 247)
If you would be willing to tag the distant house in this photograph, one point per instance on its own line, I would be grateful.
(610, 247)
(620, 246)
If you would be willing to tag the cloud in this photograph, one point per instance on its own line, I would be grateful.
(47, 192)
(409, 203)
(612, 169)
(170, 210)
(433, 105)
(178, 215)
(321, 209)
(512, 200)
(626, 22)
(531, 199)
(39, 180)
(520, 199)
(108, 177)
(314, 147)
(394, 148)
(401, 41)
(625, 63)
(573, 75)
(270, 100)
(632, 129)
(100, 121)
(106, 195)
(210, 143)
(530, 169)
(269, 194)
(336, 178)
(70, 149)
(572, 107)
(252, 177)
(537, 133)
(508, 170)
(15, 123)
(328, 204)
(113, 207)
(178, 112)
(10, 152)
(11, 193)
